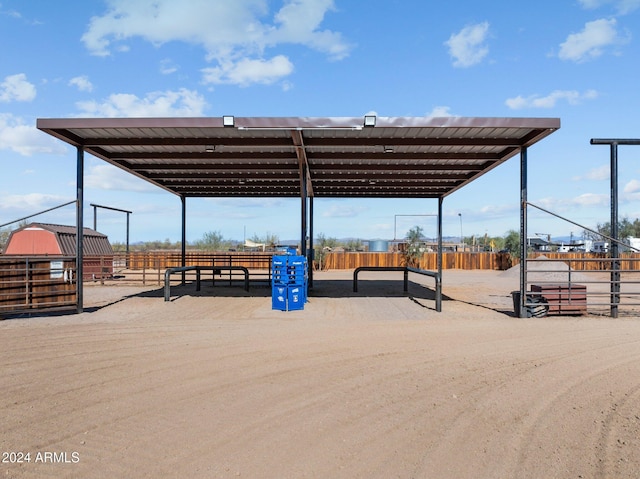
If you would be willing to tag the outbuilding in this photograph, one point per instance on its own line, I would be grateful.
(43, 239)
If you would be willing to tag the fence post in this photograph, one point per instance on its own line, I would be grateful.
(144, 271)
(27, 283)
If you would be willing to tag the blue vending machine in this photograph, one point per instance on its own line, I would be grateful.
(289, 282)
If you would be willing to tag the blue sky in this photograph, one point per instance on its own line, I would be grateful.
(578, 60)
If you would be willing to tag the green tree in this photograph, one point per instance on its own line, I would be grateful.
(4, 237)
(320, 247)
(512, 243)
(353, 245)
(413, 253)
(212, 241)
(269, 239)
(626, 228)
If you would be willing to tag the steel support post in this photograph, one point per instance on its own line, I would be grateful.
(439, 254)
(183, 248)
(523, 232)
(303, 212)
(312, 253)
(614, 250)
(439, 259)
(79, 228)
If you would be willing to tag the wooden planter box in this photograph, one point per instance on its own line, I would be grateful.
(563, 298)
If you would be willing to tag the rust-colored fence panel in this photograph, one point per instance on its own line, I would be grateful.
(428, 261)
(28, 283)
(589, 261)
(173, 259)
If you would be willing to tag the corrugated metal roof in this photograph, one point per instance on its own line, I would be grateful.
(333, 157)
(94, 243)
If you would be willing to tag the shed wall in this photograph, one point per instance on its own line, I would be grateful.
(31, 241)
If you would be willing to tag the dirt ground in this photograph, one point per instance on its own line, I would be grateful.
(373, 384)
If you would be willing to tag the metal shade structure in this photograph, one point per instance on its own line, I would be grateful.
(306, 157)
(399, 157)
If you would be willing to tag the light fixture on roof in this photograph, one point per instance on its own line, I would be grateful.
(228, 120)
(209, 148)
(387, 149)
(369, 120)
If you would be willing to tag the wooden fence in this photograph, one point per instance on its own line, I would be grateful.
(591, 261)
(161, 260)
(172, 259)
(428, 261)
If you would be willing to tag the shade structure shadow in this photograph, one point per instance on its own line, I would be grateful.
(371, 288)
(325, 288)
(221, 289)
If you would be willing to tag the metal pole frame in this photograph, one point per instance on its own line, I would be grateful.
(311, 250)
(79, 228)
(439, 255)
(303, 211)
(523, 231)
(614, 251)
(183, 246)
(95, 224)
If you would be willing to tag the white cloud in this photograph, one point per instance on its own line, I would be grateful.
(623, 6)
(26, 139)
(468, 47)
(167, 67)
(591, 42)
(183, 103)
(108, 177)
(298, 22)
(440, 112)
(17, 88)
(234, 34)
(246, 202)
(601, 173)
(499, 211)
(82, 83)
(31, 201)
(246, 71)
(344, 211)
(586, 200)
(632, 186)
(590, 199)
(535, 101)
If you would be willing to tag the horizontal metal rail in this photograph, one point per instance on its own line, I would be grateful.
(406, 270)
(214, 269)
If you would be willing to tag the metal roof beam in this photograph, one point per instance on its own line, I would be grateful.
(187, 141)
(303, 162)
(418, 141)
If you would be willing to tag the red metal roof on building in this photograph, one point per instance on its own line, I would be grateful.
(94, 243)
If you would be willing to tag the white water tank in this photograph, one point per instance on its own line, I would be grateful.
(378, 246)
